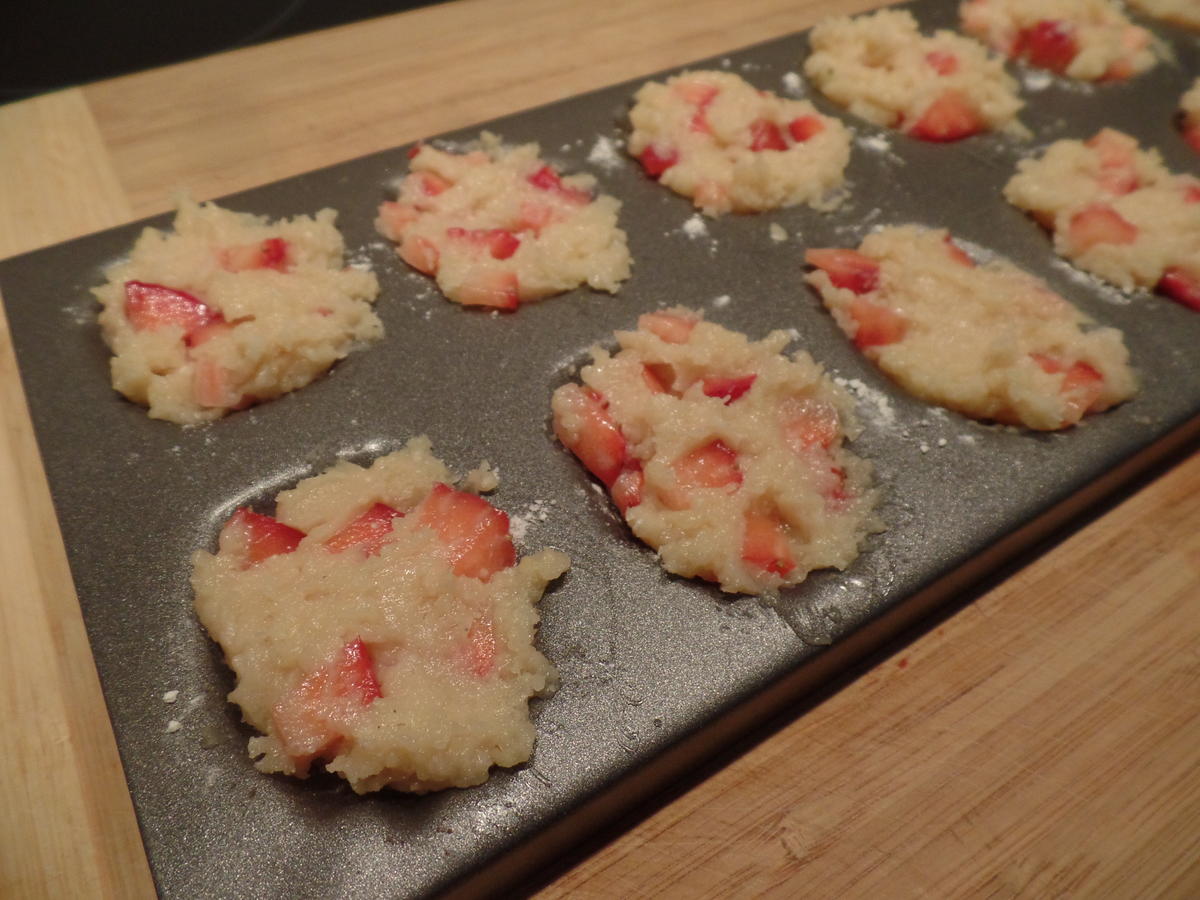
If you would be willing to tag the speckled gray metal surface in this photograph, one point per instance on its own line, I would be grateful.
(644, 658)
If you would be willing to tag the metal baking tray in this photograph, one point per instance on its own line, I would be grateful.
(656, 671)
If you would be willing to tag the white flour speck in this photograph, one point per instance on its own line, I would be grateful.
(173, 726)
(874, 142)
(942, 442)
(876, 401)
(792, 84)
(966, 439)
(170, 696)
(924, 447)
(722, 301)
(777, 232)
(604, 153)
(695, 227)
(1036, 80)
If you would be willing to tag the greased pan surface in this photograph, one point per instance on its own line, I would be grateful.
(645, 659)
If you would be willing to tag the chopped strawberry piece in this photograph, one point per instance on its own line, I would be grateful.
(414, 150)
(1081, 386)
(699, 123)
(149, 307)
(711, 195)
(958, 254)
(805, 127)
(311, 719)
(846, 268)
(1049, 44)
(1119, 70)
(729, 387)
(697, 93)
(496, 288)
(1182, 285)
(809, 423)
(942, 61)
(765, 545)
(535, 216)
(626, 490)
(586, 429)
(500, 242)
(207, 332)
(420, 253)
(432, 185)
(481, 648)
(271, 253)
(656, 160)
(950, 117)
(1191, 191)
(878, 325)
(546, 179)
(211, 386)
(395, 217)
(1116, 155)
(258, 536)
(1099, 224)
(765, 135)
(474, 534)
(669, 327)
(368, 531)
(1191, 134)
(713, 465)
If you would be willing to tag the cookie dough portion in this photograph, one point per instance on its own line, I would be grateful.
(1090, 40)
(1179, 12)
(730, 147)
(989, 341)
(229, 309)
(723, 455)
(380, 623)
(939, 88)
(1115, 210)
(497, 226)
(1189, 106)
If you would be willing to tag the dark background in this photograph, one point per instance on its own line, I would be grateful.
(58, 43)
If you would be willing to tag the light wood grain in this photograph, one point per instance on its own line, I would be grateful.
(1044, 740)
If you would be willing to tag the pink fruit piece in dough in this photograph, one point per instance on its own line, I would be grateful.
(765, 135)
(311, 720)
(211, 386)
(368, 531)
(1182, 285)
(1099, 224)
(655, 160)
(473, 534)
(420, 253)
(593, 436)
(878, 325)
(1081, 387)
(764, 543)
(627, 487)
(259, 536)
(499, 242)
(480, 656)
(1050, 44)
(942, 62)
(149, 307)
(805, 127)
(669, 327)
(1117, 174)
(1191, 134)
(546, 179)
(272, 253)
(847, 269)
(395, 217)
(729, 387)
(496, 288)
(809, 424)
(950, 117)
(712, 465)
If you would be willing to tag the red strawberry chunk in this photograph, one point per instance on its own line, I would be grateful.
(698, 93)
(713, 465)
(1182, 285)
(420, 253)
(1049, 44)
(805, 127)
(656, 160)
(481, 648)
(1191, 134)
(729, 387)
(699, 123)
(1115, 152)
(271, 253)
(311, 720)
(669, 327)
(259, 536)
(149, 307)
(211, 385)
(1099, 224)
(547, 179)
(765, 135)
(950, 117)
(765, 545)
(369, 530)
(1081, 386)
(474, 535)
(395, 217)
(808, 423)
(878, 325)
(626, 490)
(432, 185)
(846, 268)
(500, 242)
(587, 430)
(1191, 190)
(942, 61)
(496, 288)
(535, 216)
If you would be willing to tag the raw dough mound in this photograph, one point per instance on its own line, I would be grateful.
(1091, 40)
(230, 309)
(380, 623)
(989, 341)
(715, 138)
(498, 227)
(939, 88)
(723, 455)
(1180, 12)
(1116, 211)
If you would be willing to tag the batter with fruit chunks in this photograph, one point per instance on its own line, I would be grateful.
(940, 88)
(1189, 107)
(497, 226)
(715, 138)
(380, 624)
(1178, 12)
(722, 454)
(1116, 211)
(987, 340)
(1090, 40)
(229, 309)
